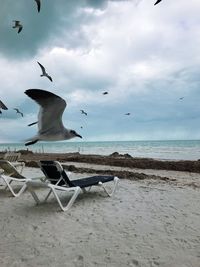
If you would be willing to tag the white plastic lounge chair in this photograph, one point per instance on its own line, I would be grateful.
(9, 174)
(58, 180)
(14, 158)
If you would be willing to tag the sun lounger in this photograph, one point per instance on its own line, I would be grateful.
(9, 174)
(58, 180)
(14, 158)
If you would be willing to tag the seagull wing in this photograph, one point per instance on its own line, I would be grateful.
(51, 110)
(49, 77)
(20, 28)
(38, 5)
(42, 68)
(157, 2)
(2, 105)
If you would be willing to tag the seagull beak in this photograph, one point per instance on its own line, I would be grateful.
(79, 135)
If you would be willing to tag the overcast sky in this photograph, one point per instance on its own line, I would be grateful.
(146, 57)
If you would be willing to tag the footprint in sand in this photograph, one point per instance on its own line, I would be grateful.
(79, 261)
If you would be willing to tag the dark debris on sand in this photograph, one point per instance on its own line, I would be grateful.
(116, 159)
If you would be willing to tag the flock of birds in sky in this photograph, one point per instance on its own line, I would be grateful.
(50, 125)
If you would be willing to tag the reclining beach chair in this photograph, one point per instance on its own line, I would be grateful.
(58, 180)
(9, 174)
(14, 158)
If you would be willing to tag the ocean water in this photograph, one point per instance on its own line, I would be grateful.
(174, 150)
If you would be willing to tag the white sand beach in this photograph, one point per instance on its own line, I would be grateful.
(147, 223)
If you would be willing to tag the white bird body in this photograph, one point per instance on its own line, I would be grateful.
(50, 125)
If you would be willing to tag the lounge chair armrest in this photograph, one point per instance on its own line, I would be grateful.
(14, 179)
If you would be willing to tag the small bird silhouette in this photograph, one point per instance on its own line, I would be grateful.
(44, 73)
(33, 123)
(105, 93)
(157, 2)
(38, 5)
(19, 112)
(2, 106)
(18, 25)
(83, 112)
(181, 98)
(127, 114)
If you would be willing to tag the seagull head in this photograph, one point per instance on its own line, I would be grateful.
(74, 134)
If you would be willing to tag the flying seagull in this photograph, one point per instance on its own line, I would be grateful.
(38, 5)
(83, 112)
(44, 73)
(2, 106)
(181, 98)
(18, 25)
(33, 123)
(105, 93)
(17, 111)
(157, 2)
(50, 125)
(127, 114)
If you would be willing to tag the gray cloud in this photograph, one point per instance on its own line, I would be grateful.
(145, 57)
(54, 18)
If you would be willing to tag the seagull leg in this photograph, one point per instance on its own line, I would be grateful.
(31, 142)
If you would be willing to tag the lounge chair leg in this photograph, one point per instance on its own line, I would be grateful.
(21, 190)
(9, 183)
(85, 190)
(50, 191)
(110, 194)
(34, 195)
(71, 201)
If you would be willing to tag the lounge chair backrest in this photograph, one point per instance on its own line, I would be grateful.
(55, 173)
(9, 169)
(12, 156)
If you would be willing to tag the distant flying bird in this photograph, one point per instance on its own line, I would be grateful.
(157, 2)
(181, 98)
(17, 111)
(127, 114)
(105, 93)
(50, 125)
(2, 106)
(18, 25)
(44, 73)
(81, 127)
(83, 112)
(38, 5)
(33, 123)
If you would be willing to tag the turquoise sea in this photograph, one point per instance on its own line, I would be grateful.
(175, 150)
